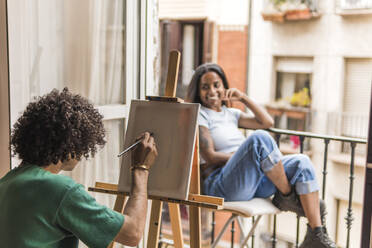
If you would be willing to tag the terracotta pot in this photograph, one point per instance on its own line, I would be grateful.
(277, 17)
(293, 15)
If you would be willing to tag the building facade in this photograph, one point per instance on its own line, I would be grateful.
(312, 69)
(331, 53)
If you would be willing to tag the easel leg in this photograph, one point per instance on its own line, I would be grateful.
(119, 203)
(118, 207)
(195, 227)
(175, 218)
(154, 225)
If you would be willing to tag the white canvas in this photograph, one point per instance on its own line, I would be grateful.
(174, 127)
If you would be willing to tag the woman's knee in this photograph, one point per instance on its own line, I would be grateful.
(259, 136)
(304, 163)
(263, 149)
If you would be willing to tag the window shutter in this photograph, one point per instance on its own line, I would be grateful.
(358, 77)
(208, 41)
(357, 89)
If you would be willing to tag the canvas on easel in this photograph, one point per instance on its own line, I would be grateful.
(174, 127)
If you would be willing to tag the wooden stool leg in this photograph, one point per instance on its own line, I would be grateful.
(175, 218)
(154, 225)
(195, 227)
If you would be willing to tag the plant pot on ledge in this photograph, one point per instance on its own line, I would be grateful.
(273, 17)
(290, 15)
(298, 14)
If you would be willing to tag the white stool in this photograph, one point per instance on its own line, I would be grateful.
(255, 207)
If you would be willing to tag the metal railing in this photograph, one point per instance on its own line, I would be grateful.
(327, 139)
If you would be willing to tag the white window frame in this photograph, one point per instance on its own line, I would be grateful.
(138, 72)
(4, 92)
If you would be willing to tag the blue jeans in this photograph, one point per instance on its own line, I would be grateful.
(243, 176)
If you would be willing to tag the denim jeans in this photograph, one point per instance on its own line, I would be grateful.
(243, 176)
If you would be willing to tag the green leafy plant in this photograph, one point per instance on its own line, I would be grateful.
(278, 2)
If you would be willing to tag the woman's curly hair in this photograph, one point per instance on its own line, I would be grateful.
(57, 126)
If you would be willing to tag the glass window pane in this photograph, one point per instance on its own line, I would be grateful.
(58, 43)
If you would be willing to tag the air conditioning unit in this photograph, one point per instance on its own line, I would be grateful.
(355, 4)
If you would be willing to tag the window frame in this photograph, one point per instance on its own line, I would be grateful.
(4, 92)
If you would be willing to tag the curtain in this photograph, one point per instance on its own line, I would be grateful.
(94, 43)
(78, 44)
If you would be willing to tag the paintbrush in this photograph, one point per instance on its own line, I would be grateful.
(131, 147)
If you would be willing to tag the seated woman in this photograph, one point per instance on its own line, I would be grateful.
(239, 169)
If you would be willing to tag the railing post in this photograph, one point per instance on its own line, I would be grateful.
(213, 225)
(232, 233)
(302, 139)
(298, 232)
(349, 218)
(253, 235)
(274, 240)
(325, 172)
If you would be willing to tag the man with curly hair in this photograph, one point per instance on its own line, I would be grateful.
(38, 207)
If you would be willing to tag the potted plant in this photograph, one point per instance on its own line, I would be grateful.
(296, 11)
(272, 11)
(281, 10)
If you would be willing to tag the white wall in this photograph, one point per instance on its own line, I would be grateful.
(180, 9)
(224, 12)
(229, 12)
(329, 40)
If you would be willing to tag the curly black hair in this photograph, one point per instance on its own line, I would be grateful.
(56, 127)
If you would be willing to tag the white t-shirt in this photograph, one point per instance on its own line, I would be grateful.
(223, 127)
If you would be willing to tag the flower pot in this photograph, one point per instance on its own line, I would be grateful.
(273, 17)
(300, 14)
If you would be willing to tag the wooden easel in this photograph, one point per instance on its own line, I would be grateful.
(195, 200)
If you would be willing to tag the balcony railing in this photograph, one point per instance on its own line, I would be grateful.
(303, 136)
(327, 139)
(349, 125)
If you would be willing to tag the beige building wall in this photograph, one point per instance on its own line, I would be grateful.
(329, 40)
(225, 12)
(178, 9)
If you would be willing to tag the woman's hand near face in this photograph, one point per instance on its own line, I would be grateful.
(234, 94)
